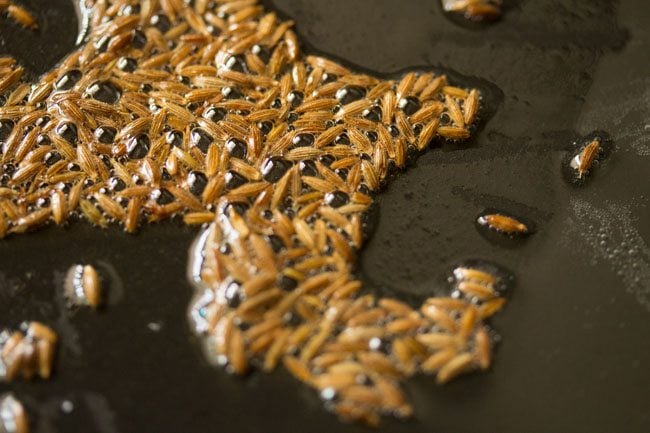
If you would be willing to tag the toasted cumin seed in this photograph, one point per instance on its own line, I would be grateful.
(503, 223)
(483, 349)
(439, 359)
(453, 132)
(491, 307)
(467, 273)
(455, 112)
(298, 369)
(457, 365)
(473, 289)
(585, 159)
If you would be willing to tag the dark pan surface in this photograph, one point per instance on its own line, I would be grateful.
(574, 356)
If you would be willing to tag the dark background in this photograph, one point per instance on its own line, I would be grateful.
(574, 356)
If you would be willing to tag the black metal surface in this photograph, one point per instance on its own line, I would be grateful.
(575, 352)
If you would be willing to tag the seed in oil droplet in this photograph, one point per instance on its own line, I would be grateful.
(503, 223)
(83, 286)
(584, 160)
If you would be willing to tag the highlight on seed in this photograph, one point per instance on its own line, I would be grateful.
(82, 286)
(28, 352)
(13, 417)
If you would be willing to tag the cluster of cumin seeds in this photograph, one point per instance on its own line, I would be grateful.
(28, 352)
(208, 110)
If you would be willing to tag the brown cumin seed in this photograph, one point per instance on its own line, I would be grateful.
(22, 16)
(457, 365)
(585, 159)
(503, 223)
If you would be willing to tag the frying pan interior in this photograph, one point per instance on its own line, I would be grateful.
(573, 354)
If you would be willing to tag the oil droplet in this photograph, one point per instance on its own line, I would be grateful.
(67, 406)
